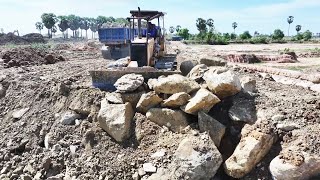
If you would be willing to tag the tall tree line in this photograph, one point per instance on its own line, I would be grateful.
(75, 23)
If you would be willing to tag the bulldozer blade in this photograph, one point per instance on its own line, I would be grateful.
(105, 79)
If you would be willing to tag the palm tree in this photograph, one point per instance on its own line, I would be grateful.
(289, 20)
(171, 29)
(178, 28)
(234, 26)
(298, 28)
(63, 25)
(210, 24)
(39, 26)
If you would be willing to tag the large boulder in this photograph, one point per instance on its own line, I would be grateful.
(295, 165)
(243, 109)
(213, 61)
(114, 98)
(175, 120)
(224, 84)
(129, 82)
(82, 101)
(196, 158)
(116, 119)
(203, 100)
(132, 97)
(253, 146)
(197, 72)
(208, 124)
(186, 66)
(147, 101)
(177, 100)
(173, 84)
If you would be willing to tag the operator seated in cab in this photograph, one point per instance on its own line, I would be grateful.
(152, 30)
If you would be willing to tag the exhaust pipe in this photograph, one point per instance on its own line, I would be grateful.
(139, 24)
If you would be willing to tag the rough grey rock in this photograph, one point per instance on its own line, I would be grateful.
(132, 97)
(287, 127)
(186, 66)
(149, 167)
(252, 148)
(196, 158)
(197, 72)
(129, 82)
(69, 118)
(147, 101)
(213, 61)
(243, 109)
(208, 124)
(173, 84)
(224, 84)
(278, 117)
(2, 91)
(17, 114)
(116, 119)
(248, 84)
(176, 100)
(114, 97)
(82, 100)
(26, 177)
(123, 62)
(203, 100)
(175, 120)
(280, 169)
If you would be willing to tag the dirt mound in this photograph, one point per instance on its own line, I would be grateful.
(29, 56)
(252, 58)
(34, 38)
(11, 38)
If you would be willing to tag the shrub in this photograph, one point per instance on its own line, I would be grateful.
(307, 35)
(278, 34)
(259, 40)
(245, 35)
(233, 36)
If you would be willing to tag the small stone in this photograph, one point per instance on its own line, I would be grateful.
(2, 91)
(197, 72)
(26, 177)
(158, 154)
(29, 169)
(4, 170)
(141, 172)
(37, 176)
(287, 127)
(149, 167)
(73, 149)
(248, 84)
(177, 100)
(278, 117)
(17, 114)
(69, 118)
(56, 148)
(135, 176)
(147, 101)
(18, 170)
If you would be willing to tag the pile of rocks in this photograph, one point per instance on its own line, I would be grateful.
(186, 105)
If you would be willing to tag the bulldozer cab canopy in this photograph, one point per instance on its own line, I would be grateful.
(146, 14)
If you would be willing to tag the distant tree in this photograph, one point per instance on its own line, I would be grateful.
(63, 25)
(226, 36)
(122, 21)
(210, 24)
(184, 33)
(256, 33)
(245, 35)
(2, 31)
(178, 28)
(234, 26)
(171, 29)
(307, 35)
(289, 20)
(85, 25)
(111, 19)
(54, 29)
(93, 26)
(49, 20)
(278, 34)
(233, 36)
(39, 26)
(298, 28)
(74, 24)
(102, 19)
(201, 25)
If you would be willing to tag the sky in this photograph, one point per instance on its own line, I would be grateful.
(254, 15)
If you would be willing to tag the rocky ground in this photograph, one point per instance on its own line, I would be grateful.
(55, 125)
